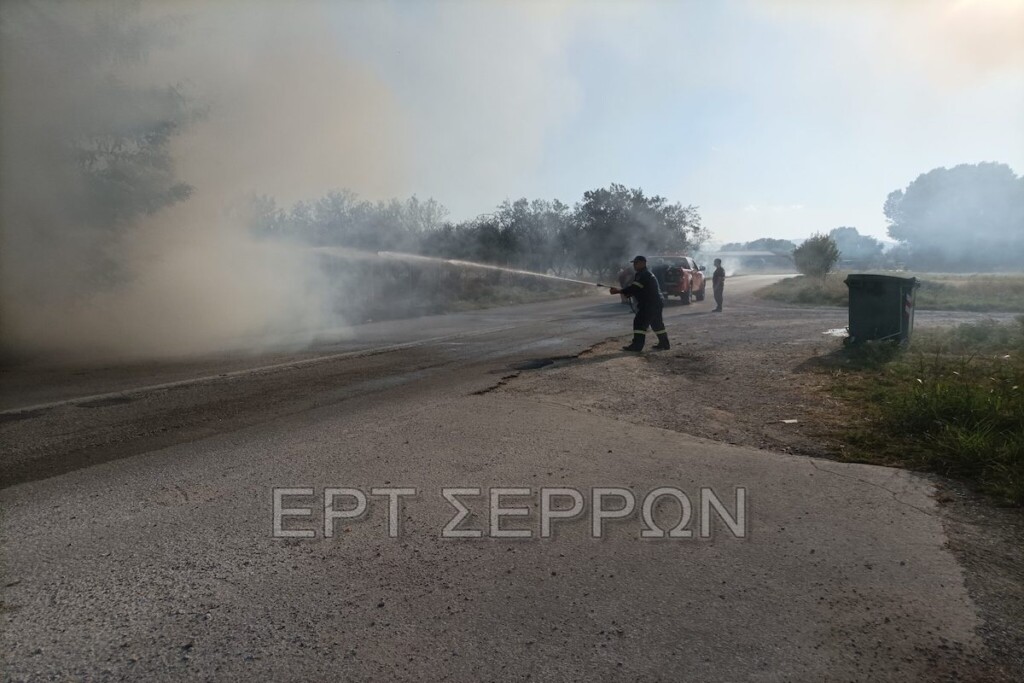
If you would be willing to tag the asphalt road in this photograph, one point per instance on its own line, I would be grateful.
(139, 525)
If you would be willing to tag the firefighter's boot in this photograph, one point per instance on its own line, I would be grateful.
(639, 337)
(662, 344)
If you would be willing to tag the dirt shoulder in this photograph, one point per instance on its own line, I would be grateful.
(735, 378)
(754, 377)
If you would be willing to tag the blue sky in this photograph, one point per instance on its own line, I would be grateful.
(775, 117)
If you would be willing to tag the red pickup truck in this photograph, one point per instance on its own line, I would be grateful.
(677, 274)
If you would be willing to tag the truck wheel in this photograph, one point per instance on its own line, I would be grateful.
(700, 292)
(684, 298)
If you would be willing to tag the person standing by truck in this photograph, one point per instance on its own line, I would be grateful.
(718, 285)
(647, 291)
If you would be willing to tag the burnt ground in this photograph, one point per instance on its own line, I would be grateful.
(739, 378)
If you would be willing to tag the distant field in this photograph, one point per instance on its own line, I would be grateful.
(937, 291)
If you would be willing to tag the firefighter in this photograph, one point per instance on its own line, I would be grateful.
(647, 291)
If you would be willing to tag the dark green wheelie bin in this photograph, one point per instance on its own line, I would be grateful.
(881, 307)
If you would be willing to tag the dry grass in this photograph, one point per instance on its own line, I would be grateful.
(953, 403)
(937, 291)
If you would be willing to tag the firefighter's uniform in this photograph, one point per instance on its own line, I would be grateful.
(647, 292)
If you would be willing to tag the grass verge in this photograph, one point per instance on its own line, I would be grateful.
(937, 292)
(953, 403)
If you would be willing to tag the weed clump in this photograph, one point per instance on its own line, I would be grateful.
(953, 404)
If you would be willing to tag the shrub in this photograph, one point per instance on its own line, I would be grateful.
(816, 256)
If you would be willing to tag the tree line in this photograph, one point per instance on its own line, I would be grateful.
(596, 235)
(967, 218)
(852, 249)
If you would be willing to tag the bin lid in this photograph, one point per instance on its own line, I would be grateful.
(859, 279)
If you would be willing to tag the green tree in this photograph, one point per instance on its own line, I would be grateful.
(86, 148)
(530, 233)
(862, 251)
(816, 256)
(340, 218)
(615, 222)
(967, 217)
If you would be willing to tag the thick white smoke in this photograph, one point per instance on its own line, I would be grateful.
(267, 105)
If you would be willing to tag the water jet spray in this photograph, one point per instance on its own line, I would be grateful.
(483, 266)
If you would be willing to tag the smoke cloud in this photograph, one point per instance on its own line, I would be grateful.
(957, 43)
(131, 135)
